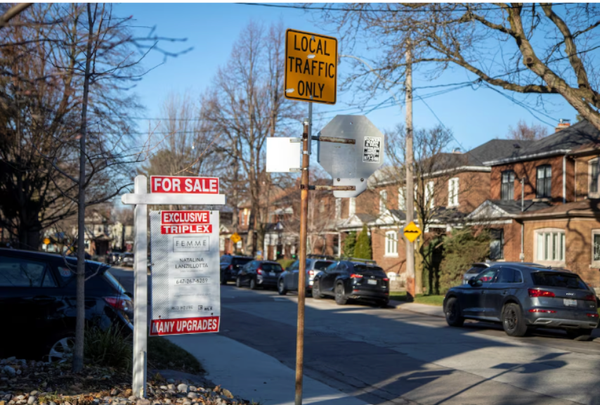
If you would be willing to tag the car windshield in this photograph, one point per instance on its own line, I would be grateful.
(271, 267)
(321, 265)
(368, 271)
(551, 279)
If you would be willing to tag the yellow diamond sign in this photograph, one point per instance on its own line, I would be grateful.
(235, 238)
(46, 241)
(310, 67)
(411, 232)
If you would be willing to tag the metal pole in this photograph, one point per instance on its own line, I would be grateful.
(410, 198)
(140, 295)
(302, 267)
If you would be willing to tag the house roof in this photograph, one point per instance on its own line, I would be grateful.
(498, 209)
(561, 142)
(356, 221)
(585, 208)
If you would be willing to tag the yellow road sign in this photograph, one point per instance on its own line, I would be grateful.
(310, 67)
(46, 241)
(235, 238)
(411, 232)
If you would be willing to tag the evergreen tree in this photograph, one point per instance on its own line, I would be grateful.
(349, 244)
(363, 245)
(461, 249)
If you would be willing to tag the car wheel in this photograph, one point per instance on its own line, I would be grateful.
(452, 312)
(281, 287)
(581, 335)
(513, 321)
(238, 282)
(252, 284)
(316, 291)
(340, 297)
(60, 347)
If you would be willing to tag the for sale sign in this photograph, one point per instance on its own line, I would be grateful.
(184, 185)
(185, 272)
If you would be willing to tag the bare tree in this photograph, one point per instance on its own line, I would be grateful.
(246, 104)
(524, 48)
(524, 132)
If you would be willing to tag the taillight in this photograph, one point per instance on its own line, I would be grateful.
(386, 279)
(592, 315)
(311, 273)
(545, 311)
(230, 267)
(540, 293)
(259, 270)
(590, 297)
(356, 276)
(121, 304)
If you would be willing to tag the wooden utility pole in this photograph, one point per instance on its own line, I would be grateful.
(302, 264)
(410, 190)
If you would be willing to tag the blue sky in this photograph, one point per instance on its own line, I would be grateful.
(211, 29)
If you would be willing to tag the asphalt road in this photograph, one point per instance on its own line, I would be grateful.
(390, 356)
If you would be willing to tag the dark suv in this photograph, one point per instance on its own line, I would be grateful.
(256, 273)
(38, 303)
(230, 265)
(346, 280)
(522, 297)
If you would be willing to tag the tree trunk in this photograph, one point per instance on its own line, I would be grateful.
(80, 323)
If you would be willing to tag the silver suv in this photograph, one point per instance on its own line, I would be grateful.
(288, 280)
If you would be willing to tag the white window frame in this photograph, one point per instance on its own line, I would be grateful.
(382, 202)
(391, 244)
(453, 188)
(244, 214)
(429, 187)
(401, 199)
(338, 208)
(351, 206)
(594, 263)
(591, 163)
(544, 241)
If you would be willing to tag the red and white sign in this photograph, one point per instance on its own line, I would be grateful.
(184, 185)
(184, 217)
(183, 229)
(183, 326)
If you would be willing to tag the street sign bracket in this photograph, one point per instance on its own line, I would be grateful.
(320, 138)
(329, 188)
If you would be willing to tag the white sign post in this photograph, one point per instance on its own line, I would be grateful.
(165, 190)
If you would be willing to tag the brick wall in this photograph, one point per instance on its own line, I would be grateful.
(578, 242)
(529, 171)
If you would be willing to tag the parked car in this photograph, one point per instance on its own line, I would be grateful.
(288, 280)
(230, 265)
(38, 303)
(346, 280)
(477, 268)
(113, 258)
(525, 296)
(127, 259)
(257, 273)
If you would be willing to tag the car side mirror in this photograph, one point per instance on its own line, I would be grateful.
(473, 282)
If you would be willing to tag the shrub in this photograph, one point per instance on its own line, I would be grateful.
(111, 347)
(349, 244)
(285, 263)
(362, 250)
(462, 248)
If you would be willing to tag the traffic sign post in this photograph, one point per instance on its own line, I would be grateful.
(184, 234)
(411, 232)
(310, 67)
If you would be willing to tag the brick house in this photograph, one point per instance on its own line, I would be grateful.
(544, 201)
(456, 185)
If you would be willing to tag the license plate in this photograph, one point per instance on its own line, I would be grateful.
(570, 303)
(374, 282)
(272, 273)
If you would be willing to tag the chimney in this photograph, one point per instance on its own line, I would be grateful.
(457, 151)
(562, 124)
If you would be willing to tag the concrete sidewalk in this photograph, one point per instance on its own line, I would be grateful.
(431, 310)
(254, 375)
